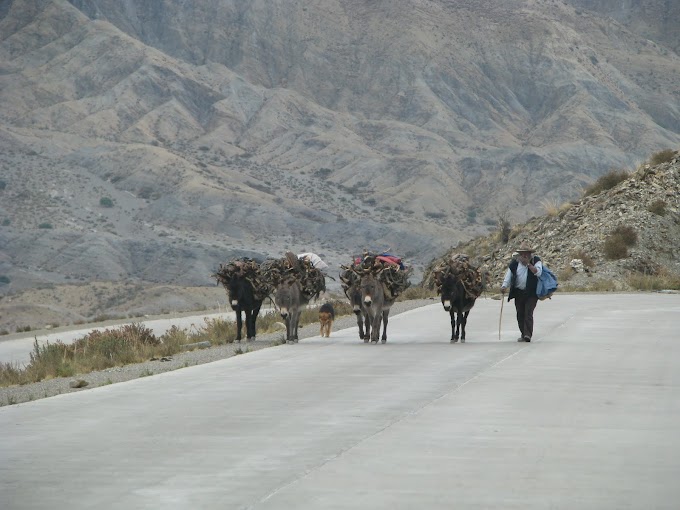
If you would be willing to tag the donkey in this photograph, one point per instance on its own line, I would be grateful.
(377, 302)
(458, 303)
(352, 289)
(242, 299)
(290, 300)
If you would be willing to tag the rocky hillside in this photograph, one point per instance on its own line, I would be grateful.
(605, 241)
(143, 143)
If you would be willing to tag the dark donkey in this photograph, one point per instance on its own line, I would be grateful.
(237, 277)
(457, 302)
(460, 284)
(290, 300)
(351, 285)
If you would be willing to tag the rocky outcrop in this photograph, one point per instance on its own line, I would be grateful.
(648, 202)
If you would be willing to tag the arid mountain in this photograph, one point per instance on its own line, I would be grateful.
(146, 142)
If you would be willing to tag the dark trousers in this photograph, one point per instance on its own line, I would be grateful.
(525, 305)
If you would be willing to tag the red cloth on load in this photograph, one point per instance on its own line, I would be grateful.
(390, 259)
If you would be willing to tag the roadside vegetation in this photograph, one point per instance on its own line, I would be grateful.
(134, 343)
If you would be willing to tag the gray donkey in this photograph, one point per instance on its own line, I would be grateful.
(290, 300)
(377, 303)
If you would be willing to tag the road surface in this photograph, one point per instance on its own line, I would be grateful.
(585, 417)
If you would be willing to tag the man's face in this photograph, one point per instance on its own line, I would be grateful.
(524, 257)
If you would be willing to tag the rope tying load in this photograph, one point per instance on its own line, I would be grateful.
(247, 269)
(460, 267)
(290, 268)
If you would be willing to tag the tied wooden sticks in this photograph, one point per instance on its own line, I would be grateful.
(394, 279)
(288, 268)
(463, 270)
(247, 269)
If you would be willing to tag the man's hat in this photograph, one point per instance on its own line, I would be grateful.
(525, 247)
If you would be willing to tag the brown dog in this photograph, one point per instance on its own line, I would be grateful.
(326, 317)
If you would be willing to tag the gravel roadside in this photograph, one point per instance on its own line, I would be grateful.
(48, 388)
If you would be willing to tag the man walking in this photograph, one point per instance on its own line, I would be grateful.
(522, 278)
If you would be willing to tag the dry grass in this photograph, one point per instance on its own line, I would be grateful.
(665, 156)
(647, 282)
(607, 181)
(133, 343)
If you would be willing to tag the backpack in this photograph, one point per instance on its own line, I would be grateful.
(547, 284)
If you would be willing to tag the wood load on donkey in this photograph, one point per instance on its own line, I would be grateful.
(246, 290)
(295, 282)
(381, 279)
(459, 283)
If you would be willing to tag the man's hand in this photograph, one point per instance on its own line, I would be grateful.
(503, 290)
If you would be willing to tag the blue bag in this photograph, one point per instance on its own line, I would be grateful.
(547, 284)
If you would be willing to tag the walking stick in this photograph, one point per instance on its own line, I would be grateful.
(500, 317)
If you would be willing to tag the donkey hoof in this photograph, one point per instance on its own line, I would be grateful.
(290, 342)
(454, 340)
(366, 340)
(462, 340)
(384, 340)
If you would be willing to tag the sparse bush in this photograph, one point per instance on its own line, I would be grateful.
(615, 248)
(607, 181)
(106, 202)
(503, 230)
(550, 207)
(45, 225)
(627, 234)
(658, 207)
(435, 215)
(616, 245)
(6, 222)
(3, 184)
(665, 156)
(4, 280)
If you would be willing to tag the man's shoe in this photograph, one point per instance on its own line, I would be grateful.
(520, 339)
(527, 339)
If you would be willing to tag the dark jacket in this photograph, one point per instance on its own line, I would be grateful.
(532, 280)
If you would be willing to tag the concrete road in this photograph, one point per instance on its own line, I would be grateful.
(585, 417)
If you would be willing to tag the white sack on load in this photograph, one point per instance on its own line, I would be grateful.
(316, 261)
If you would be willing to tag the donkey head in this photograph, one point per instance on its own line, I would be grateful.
(451, 290)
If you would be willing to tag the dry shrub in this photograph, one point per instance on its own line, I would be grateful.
(615, 248)
(627, 234)
(607, 181)
(417, 292)
(550, 207)
(665, 156)
(658, 207)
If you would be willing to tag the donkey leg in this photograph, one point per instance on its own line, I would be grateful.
(385, 314)
(249, 319)
(367, 334)
(360, 323)
(289, 329)
(454, 336)
(296, 323)
(463, 323)
(239, 324)
(375, 333)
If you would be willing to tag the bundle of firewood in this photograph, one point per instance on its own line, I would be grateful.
(290, 268)
(247, 269)
(392, 276)
(463, 270)
(348, 277)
